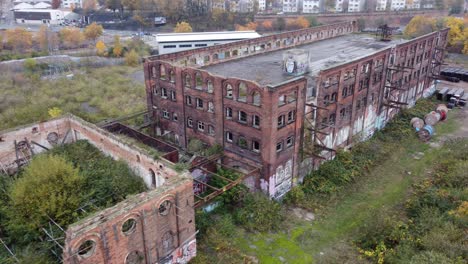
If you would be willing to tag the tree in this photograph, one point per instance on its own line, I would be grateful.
(30, 66)
(55, 112)
(302, 22)
(19, 39)
(89, 5)
(280, 23)
(419, 25)
(46, 39)
(182, 27)
(132, 58)
(267, 25)
(101, 47)
(71, 37)
(49, 187)
(248, 26)
(118, 49)
(93, 31)
(131, 4)
(455, 34)
(56, 4)
(172, 9)
(313, 22)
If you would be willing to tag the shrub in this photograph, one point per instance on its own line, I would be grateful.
(132, 58)
(107, 181)
(430, 257)
(259, 213)
(49, 187)
(295, 196)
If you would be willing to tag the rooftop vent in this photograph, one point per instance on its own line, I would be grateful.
(296, 62)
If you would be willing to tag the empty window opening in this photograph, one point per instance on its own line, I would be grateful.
(153, 178)
(256, 146)
(229, 137)
(242, 117)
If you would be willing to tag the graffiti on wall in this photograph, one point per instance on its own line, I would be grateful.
(183, 254)
(429, 91)
(331, 141)
(280, 183)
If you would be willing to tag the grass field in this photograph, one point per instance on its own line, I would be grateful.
(94, 95)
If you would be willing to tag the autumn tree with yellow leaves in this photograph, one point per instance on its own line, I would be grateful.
(19, 39)
(118, 48)
(183, 27)
(71, 37)
(248, 26)
(46, 38)
(93, 31)
(101, 48)
(457, 36)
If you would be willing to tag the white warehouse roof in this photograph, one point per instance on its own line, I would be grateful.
(23, 6)
(42, 5)
(205, 36)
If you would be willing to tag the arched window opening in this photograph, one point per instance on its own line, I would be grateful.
(153, 178)
(333, 97)
(209, 86)
(229, 91)
(242, 92)
(344, 93)
(162, 72)
(332, 119)
(256, 98)
(172, 77)
(198, 81)
(188, 80)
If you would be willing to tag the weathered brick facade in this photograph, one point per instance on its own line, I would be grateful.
(153, 227)
(157, 226)
(270, 125)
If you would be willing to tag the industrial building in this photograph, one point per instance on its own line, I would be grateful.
(285, 103)
(175, 42)
(39, 16)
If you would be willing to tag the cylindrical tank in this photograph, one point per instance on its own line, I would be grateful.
(426, 133)
(417, 123)
(432, 118)
(442, 110)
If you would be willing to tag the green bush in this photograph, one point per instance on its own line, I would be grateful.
(430, 257)
(259, 213)
(295, 196)
(107, 181)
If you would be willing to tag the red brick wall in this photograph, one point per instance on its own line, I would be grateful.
(362, 121)
(159, 236)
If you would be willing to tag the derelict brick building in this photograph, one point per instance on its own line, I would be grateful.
(286, 102)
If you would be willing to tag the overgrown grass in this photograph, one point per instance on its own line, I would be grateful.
(101, 93)
(383, 171)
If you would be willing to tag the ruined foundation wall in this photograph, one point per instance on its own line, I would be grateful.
(153, 227)
(69, 129)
